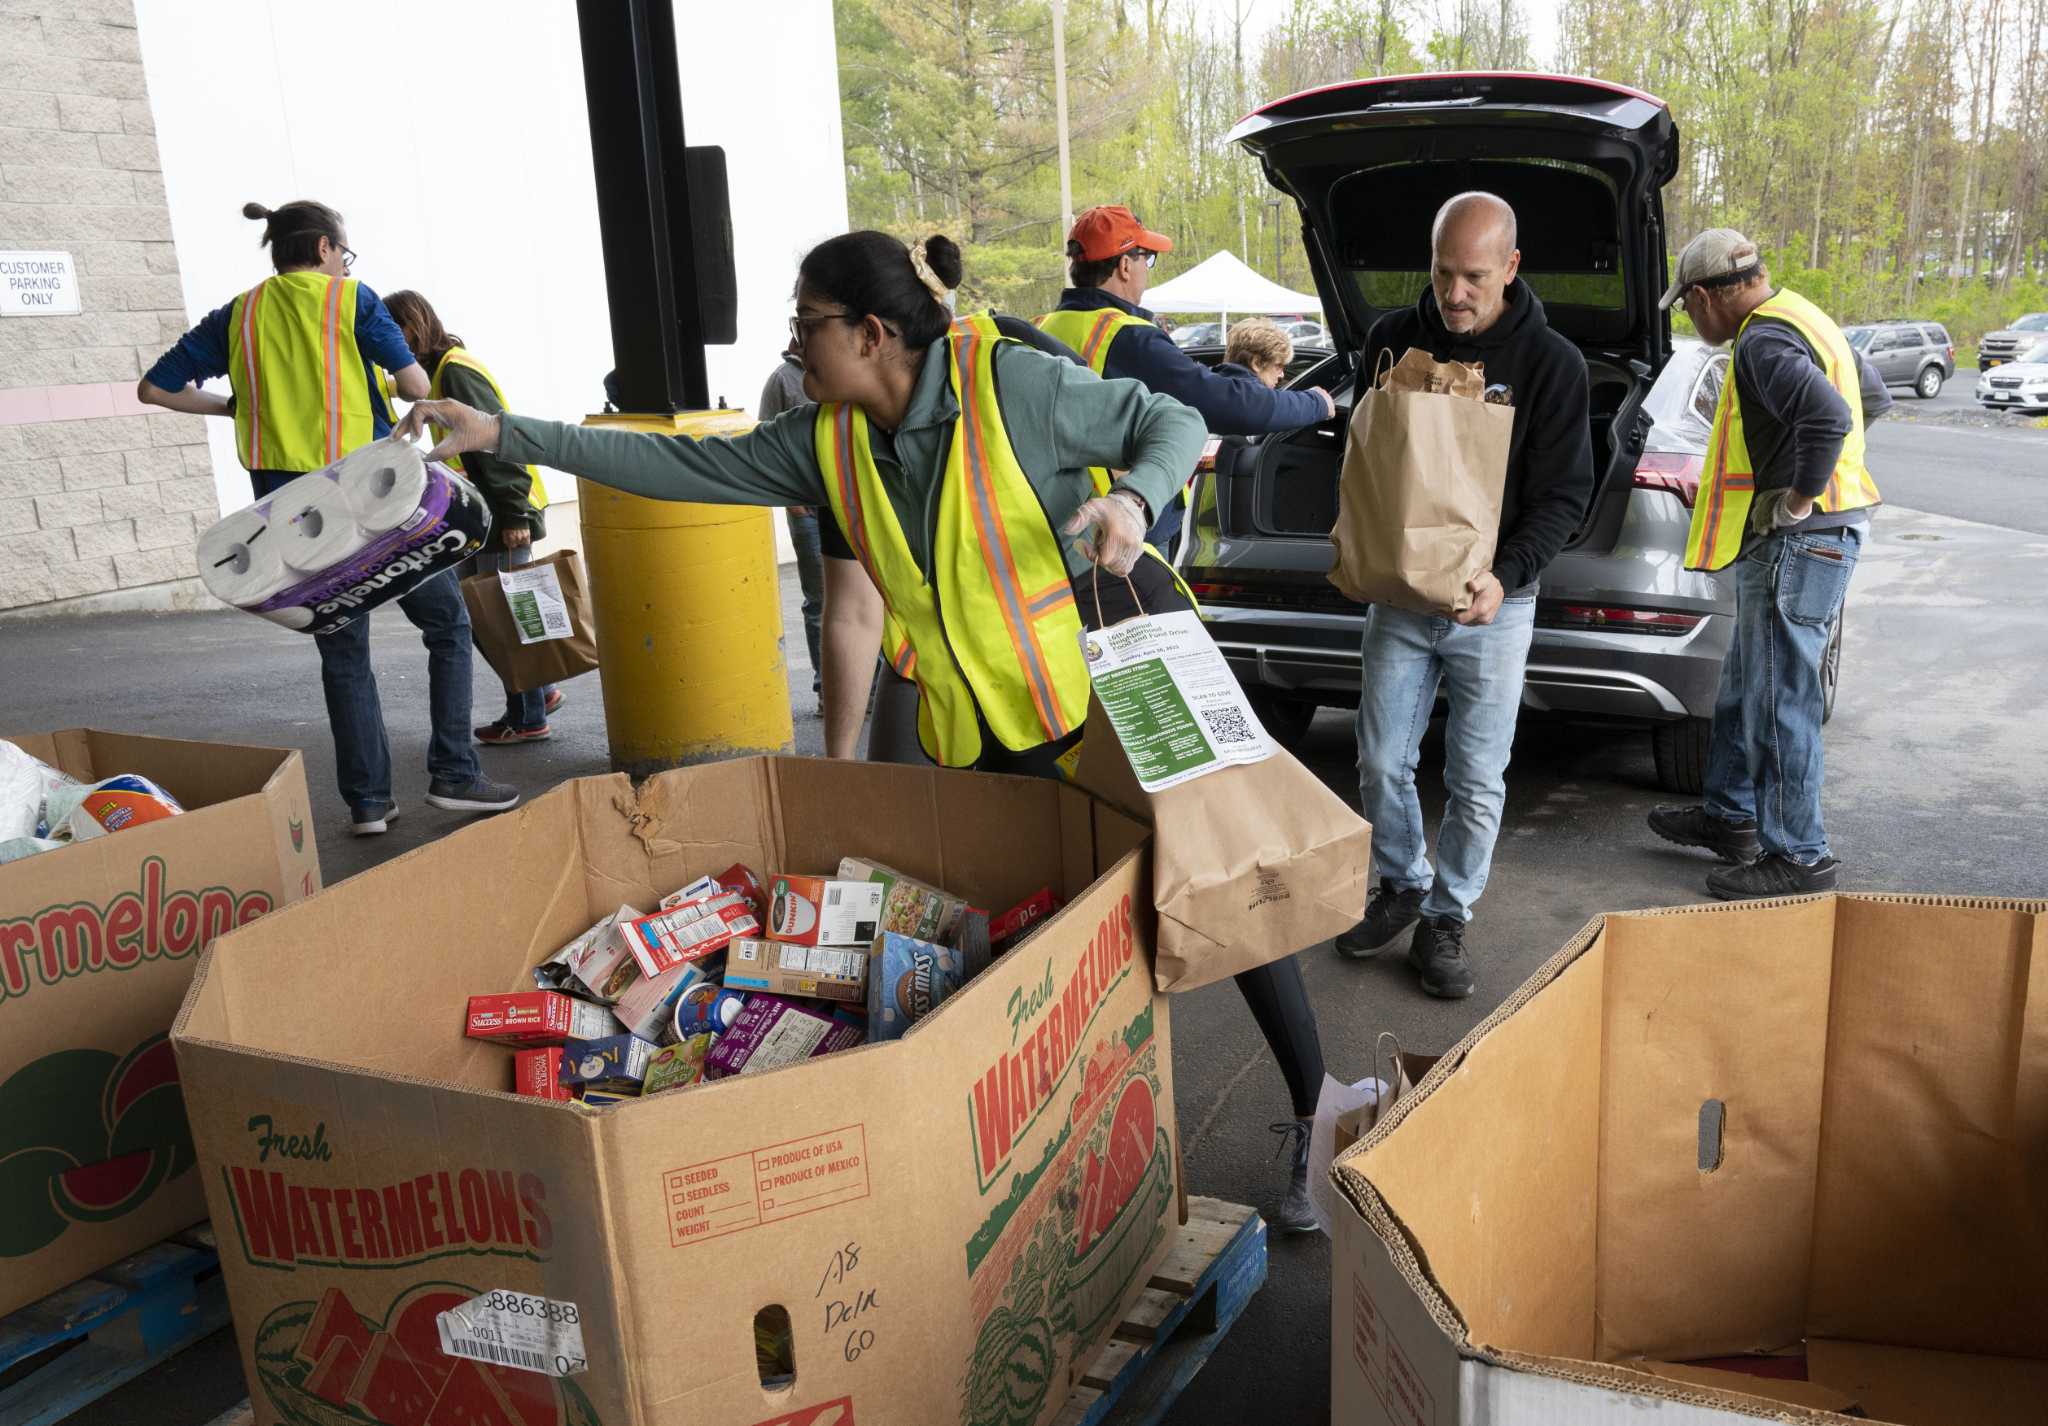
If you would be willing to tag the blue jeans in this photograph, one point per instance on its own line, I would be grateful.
(810, 576)
(1404, 657)
(522, 710)
(1764, 759)
(362, 752)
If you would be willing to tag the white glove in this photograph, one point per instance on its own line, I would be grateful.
(468, 428)
(1112, 529)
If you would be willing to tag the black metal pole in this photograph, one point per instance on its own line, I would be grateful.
(634, 95)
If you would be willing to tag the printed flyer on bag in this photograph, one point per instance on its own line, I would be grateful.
(1175, 704)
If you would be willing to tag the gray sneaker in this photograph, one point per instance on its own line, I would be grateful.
(479, 794)
(1438, 955)
(373, 820)
(1296, 1214)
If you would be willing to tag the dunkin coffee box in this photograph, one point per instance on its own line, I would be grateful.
(98, 943)
(536, 1017)
(812, 911)
(808, 972)
(1013, 1206)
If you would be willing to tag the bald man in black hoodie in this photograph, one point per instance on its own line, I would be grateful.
(1476, 310)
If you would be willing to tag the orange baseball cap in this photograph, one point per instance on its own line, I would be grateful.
(1108, 232)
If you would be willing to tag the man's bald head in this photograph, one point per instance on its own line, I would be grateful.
(1473, 258)
(1472, 215)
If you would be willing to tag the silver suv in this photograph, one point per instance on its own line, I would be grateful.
(2006, 345)
(1907, 353)
(1625, 633)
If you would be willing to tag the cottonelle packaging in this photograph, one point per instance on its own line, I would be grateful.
(98, 942)
(950, 1220)
(1815, 1128)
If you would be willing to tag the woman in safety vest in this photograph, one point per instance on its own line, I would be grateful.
(954, 460)
(514, 492)
(299, 350)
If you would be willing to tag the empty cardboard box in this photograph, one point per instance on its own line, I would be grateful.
(946, 1224)
(1784, 1161)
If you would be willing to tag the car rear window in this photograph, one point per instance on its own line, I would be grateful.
(1936, 337)
(1569, 237)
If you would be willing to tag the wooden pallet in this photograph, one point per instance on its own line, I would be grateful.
(81, 1342)
(1217, 1262)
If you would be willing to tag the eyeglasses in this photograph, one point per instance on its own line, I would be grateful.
(1151, 258)
(797, 324)
(348, 257)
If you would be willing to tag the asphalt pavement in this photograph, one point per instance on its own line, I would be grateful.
(1936, 782)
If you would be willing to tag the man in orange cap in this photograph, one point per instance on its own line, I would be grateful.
(1110, 254)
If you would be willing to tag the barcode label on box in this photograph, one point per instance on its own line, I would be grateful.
(516, 1329)
(534, 595)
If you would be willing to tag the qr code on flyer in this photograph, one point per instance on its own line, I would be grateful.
(1227, 725)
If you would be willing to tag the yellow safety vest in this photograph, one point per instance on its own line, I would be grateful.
(536, 493)
(1720, 515)
(301, 399)
(1090, 331)
(992, 627)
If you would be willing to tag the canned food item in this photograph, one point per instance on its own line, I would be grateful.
(706, 1008)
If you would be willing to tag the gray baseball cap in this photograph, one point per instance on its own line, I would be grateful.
(1716, 253)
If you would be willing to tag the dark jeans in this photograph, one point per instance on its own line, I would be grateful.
(1276, 994)
(522, 710)
(810, 574)
(362, 752)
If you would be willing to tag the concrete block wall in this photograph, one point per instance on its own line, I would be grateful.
(101, 497)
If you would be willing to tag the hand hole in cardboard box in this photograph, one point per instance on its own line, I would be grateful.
(775, 1349)
(1713, 1115)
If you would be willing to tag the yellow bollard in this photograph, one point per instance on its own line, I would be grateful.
(689, 617)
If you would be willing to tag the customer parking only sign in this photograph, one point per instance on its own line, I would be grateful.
(38, 285)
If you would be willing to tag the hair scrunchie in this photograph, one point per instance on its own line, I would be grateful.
(923, 269)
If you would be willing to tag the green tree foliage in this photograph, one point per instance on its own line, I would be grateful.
(1888, 154)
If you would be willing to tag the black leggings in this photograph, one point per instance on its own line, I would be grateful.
(1276, 993)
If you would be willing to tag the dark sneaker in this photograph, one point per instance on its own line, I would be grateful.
(1388, 912)
(554, 701)
(1438, 955)
(478, 795)
(1695, 826)
(1773, 875)
(1296, 1214)
(501, 733)
(374, 820)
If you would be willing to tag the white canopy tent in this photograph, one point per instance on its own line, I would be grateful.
(1222, 283)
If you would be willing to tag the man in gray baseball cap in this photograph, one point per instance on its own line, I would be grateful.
(1783, 506)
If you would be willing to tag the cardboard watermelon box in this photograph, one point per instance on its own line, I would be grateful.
(98, 942)
(947, 1222)
(1785, 1161)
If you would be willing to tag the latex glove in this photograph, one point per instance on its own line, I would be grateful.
(1775, 510)
(1112, 530)
(468, 428)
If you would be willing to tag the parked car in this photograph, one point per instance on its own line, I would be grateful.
(1907, 353)
(2020, 382)
(2004, 346)
(1307, 334)
(1199, 334)
(1625, 633)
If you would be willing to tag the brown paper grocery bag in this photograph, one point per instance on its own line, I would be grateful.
(1403, 1071)
(1418, 507)
(528, 643)
(1249, 864)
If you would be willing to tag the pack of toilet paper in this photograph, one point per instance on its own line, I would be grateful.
(325, 549)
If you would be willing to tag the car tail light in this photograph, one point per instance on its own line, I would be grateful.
(1951, 352)
(1208, 457)
(1215, 591)
(1618, 620)
(1670, 471)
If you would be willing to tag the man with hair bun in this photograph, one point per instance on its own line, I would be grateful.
(300, 350)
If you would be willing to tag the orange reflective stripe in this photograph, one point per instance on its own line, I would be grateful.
(1049, 598)
(904, 659)
(331, 347)
(1103, 326)
(255, 452)
(995, 546)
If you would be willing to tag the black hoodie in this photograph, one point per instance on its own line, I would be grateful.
(1550, 454)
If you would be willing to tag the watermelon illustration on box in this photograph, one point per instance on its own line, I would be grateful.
(325, 1364)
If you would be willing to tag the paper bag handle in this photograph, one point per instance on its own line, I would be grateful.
(1393, 1080)
(1095, 588)
(1383, 367)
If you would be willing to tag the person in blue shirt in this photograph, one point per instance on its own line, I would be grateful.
(1110, 256)
(274, 343)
